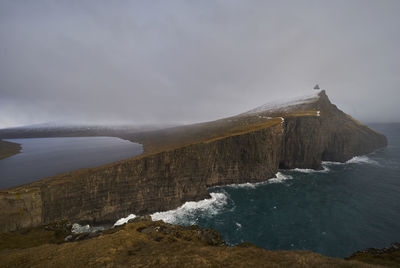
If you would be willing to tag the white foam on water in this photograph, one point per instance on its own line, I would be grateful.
(309, 170)
(279, 177)
(331, 163)
(244, 185)
(125, 220)
(77, 228)
(185, 213)
(362, 160)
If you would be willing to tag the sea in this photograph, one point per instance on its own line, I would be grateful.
(336, 211)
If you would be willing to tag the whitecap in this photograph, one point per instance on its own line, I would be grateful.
(244, 185)
(77, 228)
(309, 170)
(361, 160)
(185, 214)
(279, 177)
(331, 163)
(122, 221)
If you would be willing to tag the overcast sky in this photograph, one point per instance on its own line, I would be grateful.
(188, 61)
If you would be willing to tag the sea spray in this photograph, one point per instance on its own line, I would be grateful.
(122, 221)
(362, 160)
(279, 178)
(78, 229)
(324, 169)
(186, 214)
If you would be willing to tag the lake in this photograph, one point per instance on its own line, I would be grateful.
(45, 157)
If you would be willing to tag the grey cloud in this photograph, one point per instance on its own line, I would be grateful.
(189, 61)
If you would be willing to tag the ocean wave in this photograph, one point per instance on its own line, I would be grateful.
(186, 214)
(122, 221)
(362, 160)
(324, 169)
(331, 163)
(279, 177)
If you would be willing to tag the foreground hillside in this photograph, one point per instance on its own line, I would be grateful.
(150, 244)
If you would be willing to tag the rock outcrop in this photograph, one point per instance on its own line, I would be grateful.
(301, 135)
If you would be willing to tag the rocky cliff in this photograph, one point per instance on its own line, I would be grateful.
(178, 167)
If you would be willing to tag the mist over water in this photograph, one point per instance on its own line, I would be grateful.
(336, 211)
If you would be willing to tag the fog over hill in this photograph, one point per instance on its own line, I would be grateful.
(100, 62)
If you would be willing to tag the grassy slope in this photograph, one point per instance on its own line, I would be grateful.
(152, 244)
(167, 139)
(8, 149)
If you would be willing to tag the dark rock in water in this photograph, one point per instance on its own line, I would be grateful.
(246, 148)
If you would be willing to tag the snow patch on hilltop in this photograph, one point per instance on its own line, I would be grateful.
(283, 104)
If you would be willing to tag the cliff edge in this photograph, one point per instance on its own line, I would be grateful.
(180, 163)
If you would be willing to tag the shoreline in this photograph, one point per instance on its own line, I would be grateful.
(8, 149)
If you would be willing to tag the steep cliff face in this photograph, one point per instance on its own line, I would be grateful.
(146, 184)
(330, 136)
(307, 134)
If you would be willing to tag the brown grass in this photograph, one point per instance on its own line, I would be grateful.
(156, 244)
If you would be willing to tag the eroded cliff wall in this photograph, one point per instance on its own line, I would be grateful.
(330, 136)
(146, 184)
(165, 180)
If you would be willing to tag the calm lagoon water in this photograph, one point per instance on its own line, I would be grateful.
(45, 157)
(345, 208)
